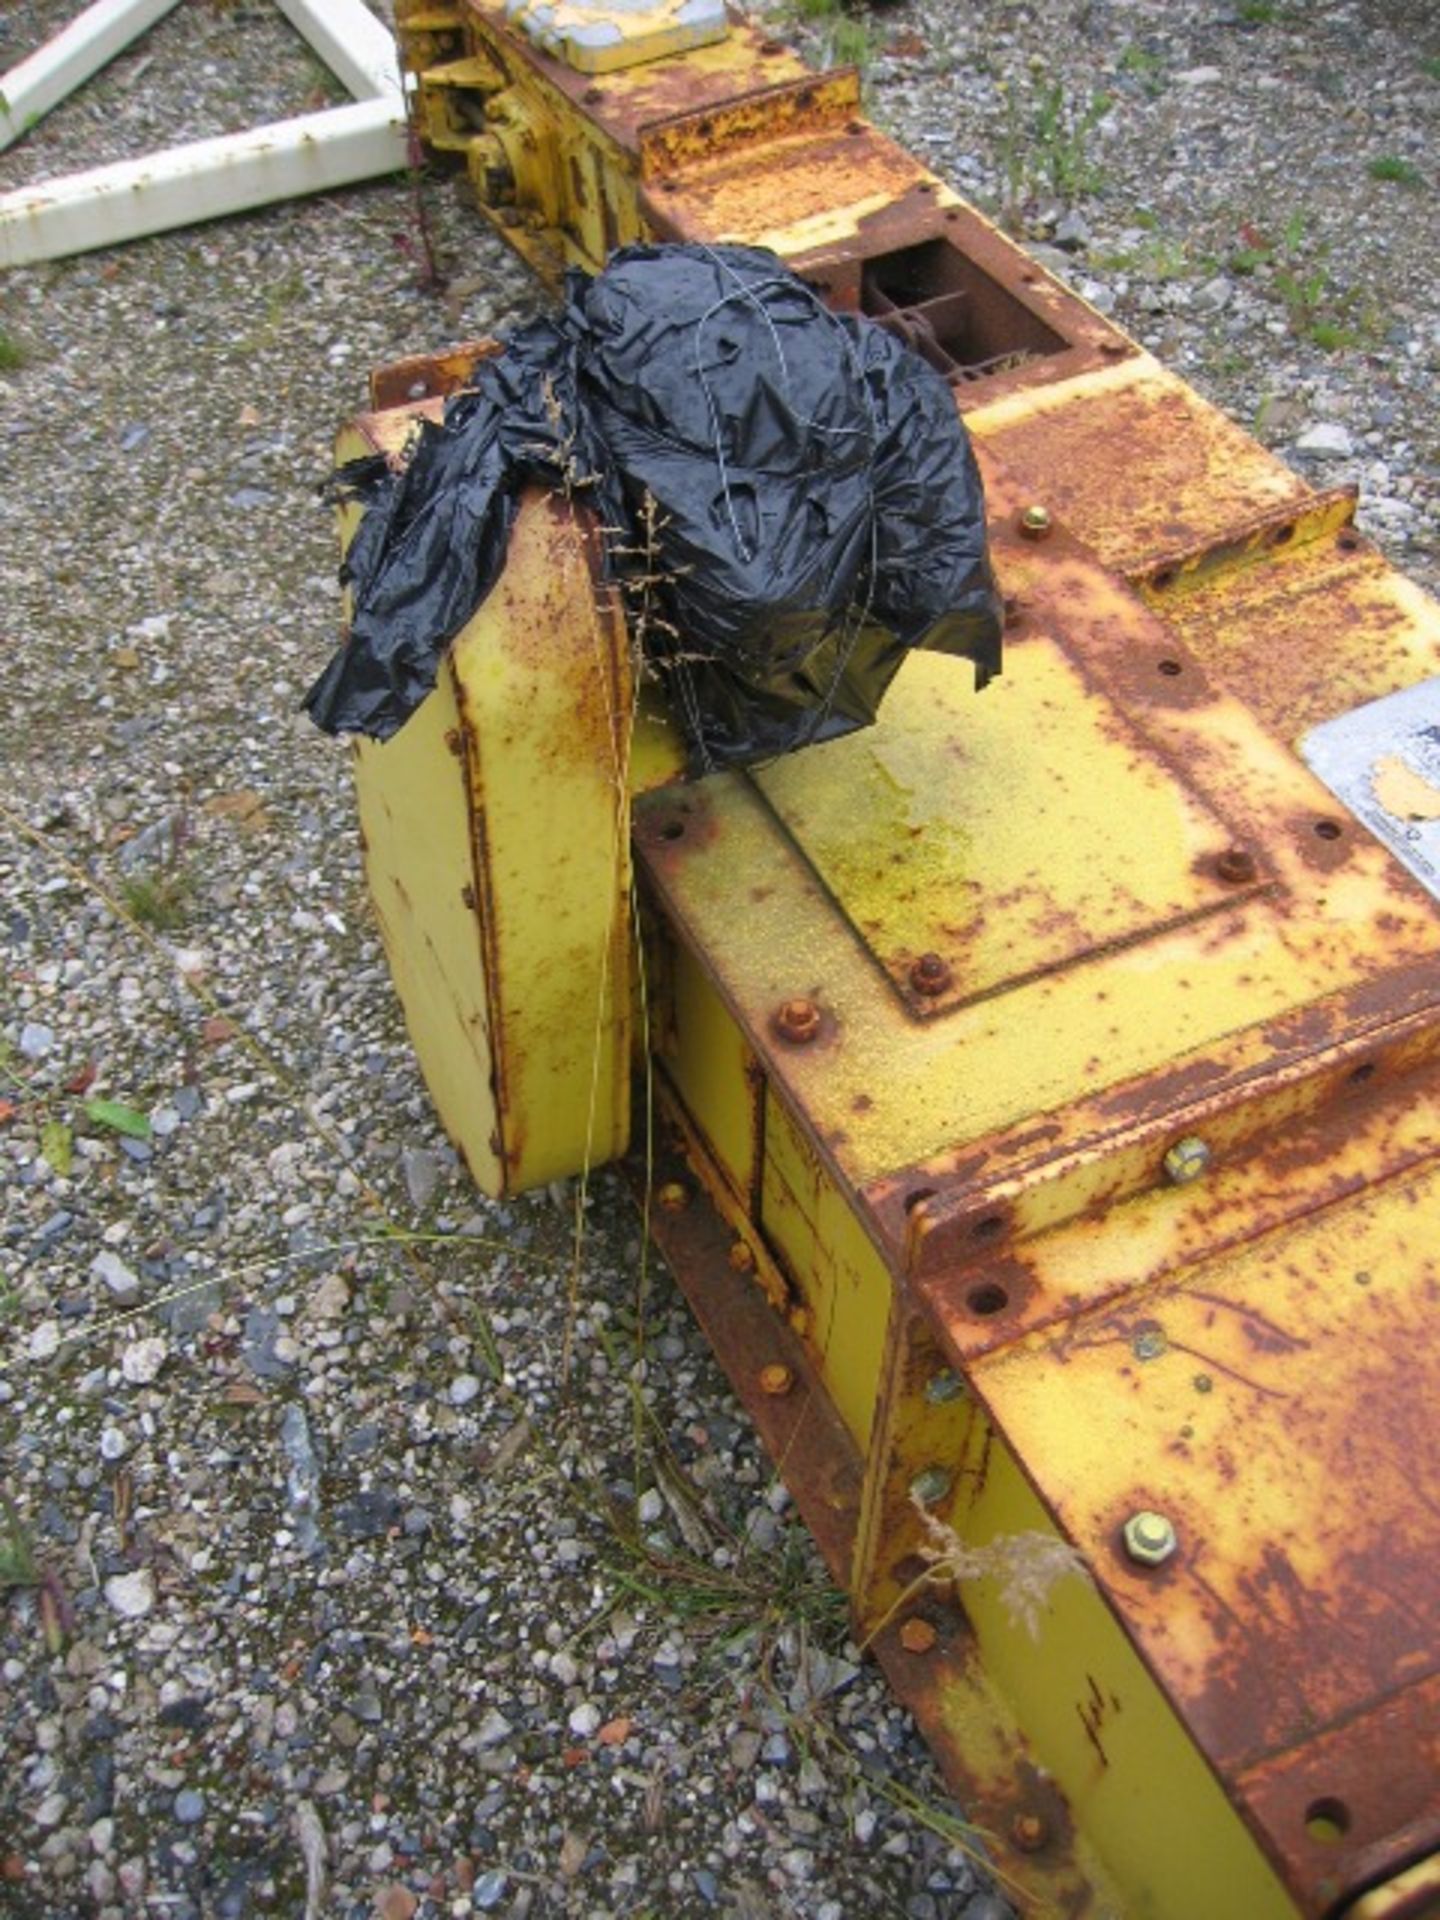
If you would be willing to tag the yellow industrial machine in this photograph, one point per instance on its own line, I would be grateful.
(1051, 1110)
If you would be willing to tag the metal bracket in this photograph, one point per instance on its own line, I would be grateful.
(313, 153)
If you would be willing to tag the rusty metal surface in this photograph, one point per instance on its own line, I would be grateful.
(1276, 1403)
(1018, 1815)
(620, 104)
(1136, 462)
(1329, 629)
(427, 376)
(818, 102)
(1377, 1774)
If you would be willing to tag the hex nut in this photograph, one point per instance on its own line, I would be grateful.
(1150, 1538)
(917, 1635)
(1035, 522)
(776, 1380)
(797, 1021)
(1187, 1160)
(1028, 1832)
(672, 1197)
(930, 974)
(930, 1486)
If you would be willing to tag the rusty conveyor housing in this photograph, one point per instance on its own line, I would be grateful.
(1050, 1079)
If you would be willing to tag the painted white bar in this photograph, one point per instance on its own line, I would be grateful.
(52, 72)
(107, 205)
(357, 48)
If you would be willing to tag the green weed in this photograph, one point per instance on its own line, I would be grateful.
(1431, 67)
(161, 900)
(12, 353)
(1047, 153)
(846, 40)
(1295, 269)
(1258, 13)
(1391, 167)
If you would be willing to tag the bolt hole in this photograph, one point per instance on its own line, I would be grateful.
(952, 215)
(1164, 578)
(673, 830)
(1327, 1820)
(1281, 535)
(1170, 668)
(1329, 829)
(990, 1228)
(1359, 1075)
(924, 186)
(991, 1298)
(918, 1198)
(1348, 542)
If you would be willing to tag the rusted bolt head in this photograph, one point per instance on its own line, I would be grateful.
(1187, 1160)
(452, 741)
(1236, 867)
(943, 1387)
(930, 1486)
(797, 1021)
(672, 1197)
(929, 974)
(776, 1381)
(1150, 1538)
(1027, 1830)
(1035, 522)
(742, 1258)
(917, 1635)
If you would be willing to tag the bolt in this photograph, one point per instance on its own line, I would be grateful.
(1035, 522)
(930, 1486)
(1027, 1830)
(1236, 867)
(467, 896)
(742, 1259)
(452, 734)
(1187, 1160)
(917, 1635)
(776, 1380)
(797, 1021)
(1149, 1344)
(672, 1197)
(944, 1387)
(1150, 1538)
(929, 975)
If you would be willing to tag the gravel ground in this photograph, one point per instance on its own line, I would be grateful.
(324, 1594)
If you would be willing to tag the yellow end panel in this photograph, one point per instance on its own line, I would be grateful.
(712, 1070)
(1097, 1721)
(497, 831)
(842, 1286)
(415, 829)
(543, 678)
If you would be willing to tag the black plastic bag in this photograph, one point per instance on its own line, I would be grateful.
(798, 482)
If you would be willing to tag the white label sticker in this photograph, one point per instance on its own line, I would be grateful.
(1383, 762)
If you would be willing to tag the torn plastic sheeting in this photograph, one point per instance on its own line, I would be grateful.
(788, 496)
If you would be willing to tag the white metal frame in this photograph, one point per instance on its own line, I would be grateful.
(106, 205)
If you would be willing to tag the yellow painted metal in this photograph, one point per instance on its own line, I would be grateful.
(951, 835)
(895, 1089)
(842, 1290)
(496, 826)
(1156, 926)
(1096, 1722)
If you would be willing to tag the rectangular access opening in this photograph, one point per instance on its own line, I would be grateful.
(952, 313)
